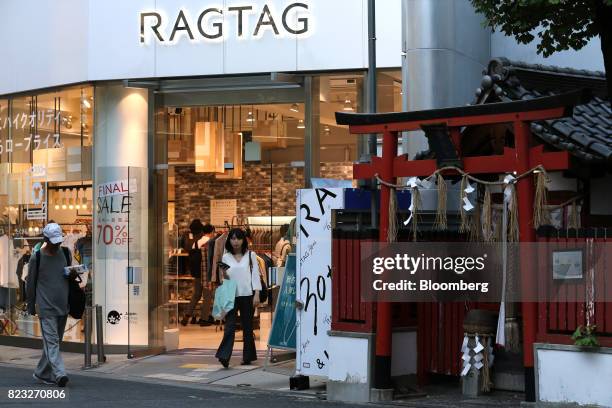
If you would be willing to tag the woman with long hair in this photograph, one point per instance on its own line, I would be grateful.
(242, 268)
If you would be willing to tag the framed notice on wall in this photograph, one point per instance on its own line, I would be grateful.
(567, 264)
(222, 210)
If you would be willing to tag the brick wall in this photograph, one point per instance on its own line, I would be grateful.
(193, 191)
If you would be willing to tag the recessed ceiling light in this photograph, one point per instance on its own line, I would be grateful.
(348, 105)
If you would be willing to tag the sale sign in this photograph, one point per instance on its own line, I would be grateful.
(121, 251)
(114, 200)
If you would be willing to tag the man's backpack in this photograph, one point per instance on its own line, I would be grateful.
(76, 295)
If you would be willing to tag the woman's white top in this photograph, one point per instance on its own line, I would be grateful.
(239, 272)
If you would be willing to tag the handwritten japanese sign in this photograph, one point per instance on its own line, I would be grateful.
(314, 246)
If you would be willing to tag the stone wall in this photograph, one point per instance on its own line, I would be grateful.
(193, 191)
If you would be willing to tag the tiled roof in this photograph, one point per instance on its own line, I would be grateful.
(587, 135)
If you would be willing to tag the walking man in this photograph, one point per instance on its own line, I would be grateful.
(48, 289)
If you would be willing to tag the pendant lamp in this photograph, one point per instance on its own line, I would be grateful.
(209, 147)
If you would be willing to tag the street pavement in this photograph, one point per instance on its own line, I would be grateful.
(95, 391)
(193, 377)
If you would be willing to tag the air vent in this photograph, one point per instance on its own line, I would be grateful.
(342, 83)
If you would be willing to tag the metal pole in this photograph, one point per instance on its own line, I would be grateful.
(100, 335)
(88, 316)
(371, 80)
(372, 98)
(312, 117)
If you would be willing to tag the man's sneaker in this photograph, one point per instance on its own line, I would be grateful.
(62, 381)
(42, 380)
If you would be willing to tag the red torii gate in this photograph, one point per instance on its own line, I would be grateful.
(519, 159)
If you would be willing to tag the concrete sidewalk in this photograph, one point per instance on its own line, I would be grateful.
(194, 366)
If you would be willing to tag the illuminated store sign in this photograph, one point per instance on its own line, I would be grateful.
(211, 24)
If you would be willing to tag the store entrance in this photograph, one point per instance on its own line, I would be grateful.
(229, 166)
(233, 152)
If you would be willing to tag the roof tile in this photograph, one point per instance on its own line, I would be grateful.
(588, 134)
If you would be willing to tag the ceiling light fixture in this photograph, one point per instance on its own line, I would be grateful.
(67, 121)
(348, 105)
(294, 108)
(77, 204)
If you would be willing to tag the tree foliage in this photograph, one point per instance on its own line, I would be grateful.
(559, 24)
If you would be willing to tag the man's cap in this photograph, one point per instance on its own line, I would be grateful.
(53, 232)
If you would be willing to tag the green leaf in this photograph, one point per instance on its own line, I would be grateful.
(577, 334)
(557, 24)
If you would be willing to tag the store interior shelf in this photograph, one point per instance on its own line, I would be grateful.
(179, 277)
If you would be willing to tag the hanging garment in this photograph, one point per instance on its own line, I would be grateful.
(267, 261)
(83, 251)
(4, 261)
(218, 254)
(291, 232)
(15, 256)
(70, 241)
(262, 269)
(282, 247)
(212, 275)
(21, 265)
(8, 262)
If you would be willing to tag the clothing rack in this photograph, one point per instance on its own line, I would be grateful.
(69, 186)
(263, 243)
(247, 226)
(73, 226)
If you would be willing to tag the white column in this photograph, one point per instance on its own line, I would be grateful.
(121, 213)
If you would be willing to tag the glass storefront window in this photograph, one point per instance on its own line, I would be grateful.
(45, 174)
(223, 158)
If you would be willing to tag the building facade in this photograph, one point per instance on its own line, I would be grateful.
(212, 111)
(124, 121)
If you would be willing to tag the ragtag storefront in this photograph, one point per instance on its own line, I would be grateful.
(202, 112)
